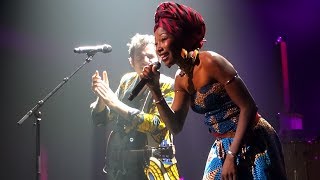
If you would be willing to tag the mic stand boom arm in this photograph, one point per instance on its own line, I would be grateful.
(35, 111)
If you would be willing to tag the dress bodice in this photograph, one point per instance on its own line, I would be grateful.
(221, 114)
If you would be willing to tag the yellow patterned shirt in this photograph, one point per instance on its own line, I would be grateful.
(147, 119)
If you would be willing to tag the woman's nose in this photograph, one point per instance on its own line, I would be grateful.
(159, 49)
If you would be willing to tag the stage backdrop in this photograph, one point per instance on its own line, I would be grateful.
(37, 39)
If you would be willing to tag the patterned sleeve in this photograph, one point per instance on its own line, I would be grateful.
(99, 118)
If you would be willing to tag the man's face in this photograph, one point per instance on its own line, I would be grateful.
(147, 56)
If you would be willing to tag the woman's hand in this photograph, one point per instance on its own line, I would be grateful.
(151, 73)
(229, 168)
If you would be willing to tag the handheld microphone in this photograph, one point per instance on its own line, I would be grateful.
(105, 48)
(141, 84)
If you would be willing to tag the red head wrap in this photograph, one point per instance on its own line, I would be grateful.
(184, 23)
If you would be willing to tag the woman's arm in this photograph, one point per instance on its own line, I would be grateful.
(174, 116)
(239, 94)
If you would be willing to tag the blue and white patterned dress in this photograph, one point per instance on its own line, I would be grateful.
(260, 155)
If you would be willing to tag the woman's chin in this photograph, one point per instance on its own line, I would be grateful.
(168, 64)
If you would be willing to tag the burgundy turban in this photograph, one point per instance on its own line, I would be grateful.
(184, 23)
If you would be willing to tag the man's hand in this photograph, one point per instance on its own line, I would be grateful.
(100, 86)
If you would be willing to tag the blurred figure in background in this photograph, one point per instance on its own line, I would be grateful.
(139, 145)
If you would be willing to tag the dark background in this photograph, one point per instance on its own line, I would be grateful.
(37, 39)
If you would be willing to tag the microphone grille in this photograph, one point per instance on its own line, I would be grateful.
(157, 64)
(106, 48)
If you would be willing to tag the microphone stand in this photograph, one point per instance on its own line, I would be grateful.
(35, 111)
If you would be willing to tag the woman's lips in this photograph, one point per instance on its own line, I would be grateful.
(164, 57)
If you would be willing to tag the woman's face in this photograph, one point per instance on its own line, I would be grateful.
(166, 47)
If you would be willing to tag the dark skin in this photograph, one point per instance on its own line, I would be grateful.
(209, 68)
